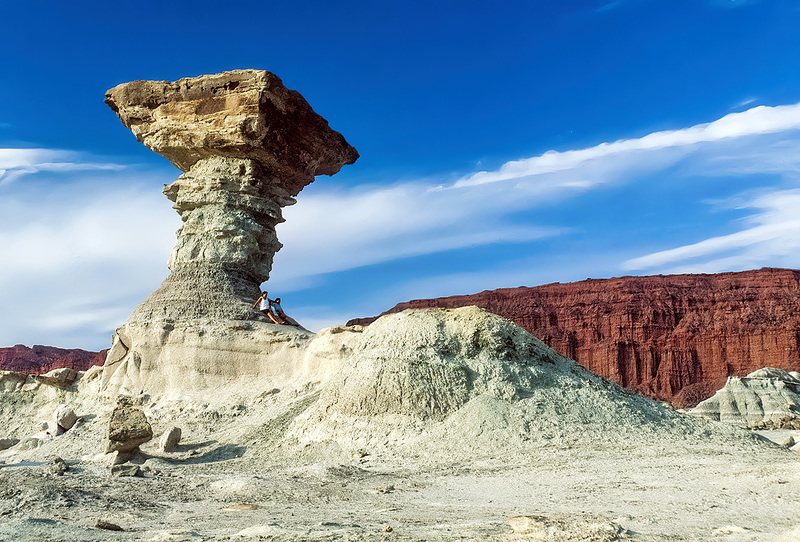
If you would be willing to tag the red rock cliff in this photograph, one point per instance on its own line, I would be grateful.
(41, 359)
(675, 338)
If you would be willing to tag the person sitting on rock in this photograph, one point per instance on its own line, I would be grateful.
(265, 306)
(276, 306)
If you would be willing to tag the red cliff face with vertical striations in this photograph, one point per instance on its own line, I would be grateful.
(675, 338)
(41, 359)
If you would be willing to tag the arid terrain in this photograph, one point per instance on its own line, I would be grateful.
(536, 436)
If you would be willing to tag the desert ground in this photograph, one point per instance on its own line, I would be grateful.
(395, 447)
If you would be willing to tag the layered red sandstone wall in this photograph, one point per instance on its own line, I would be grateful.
(41, 359)
(675, 338)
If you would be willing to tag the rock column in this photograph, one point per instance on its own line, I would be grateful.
(247, 146)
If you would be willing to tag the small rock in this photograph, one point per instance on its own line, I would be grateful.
(58, 466)
(65, 417)
(387, 529)
(37, 440)
(6, 443)
(789, 442)
(170, 439)
(118, 458)
(108, 526)
(126, 469)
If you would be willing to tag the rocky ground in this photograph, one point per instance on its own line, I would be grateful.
(437, 425)
(228, 481)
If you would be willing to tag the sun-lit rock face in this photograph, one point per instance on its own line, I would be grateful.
(247, 146)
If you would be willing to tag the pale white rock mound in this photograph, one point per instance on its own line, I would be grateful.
(764, 395)
(464, 381)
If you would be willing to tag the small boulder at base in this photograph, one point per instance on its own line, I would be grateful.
(6, 443)
(170, 439)
(58, 466)
(128, 428)
(65, 417)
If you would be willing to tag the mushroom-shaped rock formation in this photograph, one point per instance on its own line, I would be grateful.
(247, 146)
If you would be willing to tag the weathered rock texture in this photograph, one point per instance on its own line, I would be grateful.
(676, 338)
(247, 145)
(766, 395)
(42, 359)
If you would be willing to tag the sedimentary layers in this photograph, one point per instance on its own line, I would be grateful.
(675, 337)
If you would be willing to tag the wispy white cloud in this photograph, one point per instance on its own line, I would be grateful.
(772, 238)
(330, 232)
(756, 121)
(15, 163)
(334, 231)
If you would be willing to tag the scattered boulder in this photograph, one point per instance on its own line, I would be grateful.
(108, 526)
(60, 378)
(128, 428)
(170, 439)
(6, 443)
(58, 466)
(787, 422)
(37, 440)
(65, 417)
(789, 442)
(763, 396)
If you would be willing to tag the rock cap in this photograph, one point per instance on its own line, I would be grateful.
(237, 114)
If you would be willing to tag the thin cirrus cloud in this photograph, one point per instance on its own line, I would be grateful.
(335, 231)
(78, 253)
(15, 163)
(756, 121)
(773, 237)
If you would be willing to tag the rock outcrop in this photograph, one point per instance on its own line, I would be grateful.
(763, 396)
(676, 338)
(42, 359)
(247, 146)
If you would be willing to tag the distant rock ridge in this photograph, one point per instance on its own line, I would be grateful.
(675, 337)
(247, 146)
(42, 359)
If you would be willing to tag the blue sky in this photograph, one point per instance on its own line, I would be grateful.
(501, 145)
